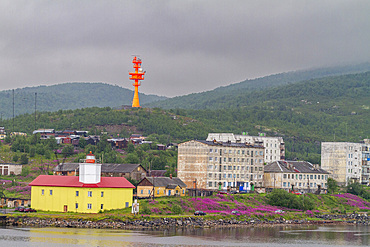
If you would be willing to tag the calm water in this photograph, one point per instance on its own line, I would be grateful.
(256, 236)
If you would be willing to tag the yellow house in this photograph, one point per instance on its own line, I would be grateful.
(87, 193)
(162, 186)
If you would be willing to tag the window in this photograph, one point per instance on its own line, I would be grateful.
(225, 175)
(288, 184)
(142, 191)
(243, 151)
(89, 206)
(318, 176)
(315, 176)
(149, 192)
(157, 192)
(224, 168)
(42, 192)
(127, 204)
(101, 206)
(210, 158)
(89, 194)
(284, 176)
(210, 175)
(102, 194)
(261, 152)
(288, 176)
(284, 184)
(230, 159)
(77, 193)
(76, 205)
(234, 167)
(211, 150)
(51, 192)
(216, 150)
(230, 175)
(260, 168)
(300, 176)
(311, 176)
(242, 159)
(229, 167)
(215, 158)
(209, 184)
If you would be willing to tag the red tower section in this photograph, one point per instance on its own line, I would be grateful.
(137, 76)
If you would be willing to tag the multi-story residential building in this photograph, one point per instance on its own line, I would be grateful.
(274, 146)
(366, 162)
(301, 176)
(220, 165)
(343, 160)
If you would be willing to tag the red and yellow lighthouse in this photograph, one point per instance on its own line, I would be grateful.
(136, 76)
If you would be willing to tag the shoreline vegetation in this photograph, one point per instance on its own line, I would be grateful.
(222, 211)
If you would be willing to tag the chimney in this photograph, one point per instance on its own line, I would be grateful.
(170, 176)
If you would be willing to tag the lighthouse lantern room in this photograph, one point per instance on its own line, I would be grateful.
(90, 171)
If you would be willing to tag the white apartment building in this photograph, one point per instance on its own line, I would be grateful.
(301, 176)
(274, 146)
(343, 160)
(221, 165)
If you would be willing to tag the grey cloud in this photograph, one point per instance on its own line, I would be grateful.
(186, 46)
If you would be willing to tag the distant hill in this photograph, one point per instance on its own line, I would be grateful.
(67, 96)
(335, 108)
(219, 98)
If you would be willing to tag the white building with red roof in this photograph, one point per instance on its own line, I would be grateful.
(86, 193)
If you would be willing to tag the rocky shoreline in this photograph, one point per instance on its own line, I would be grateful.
(185, 222)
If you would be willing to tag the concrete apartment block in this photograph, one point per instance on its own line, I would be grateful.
(214, 165)
(343, 160)
(274, 146)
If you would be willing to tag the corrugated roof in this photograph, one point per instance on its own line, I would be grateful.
(72, 181)
(165, 181)
(293, 167)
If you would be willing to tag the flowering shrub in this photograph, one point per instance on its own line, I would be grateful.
(354, 201)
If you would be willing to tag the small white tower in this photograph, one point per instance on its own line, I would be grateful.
(90, 171)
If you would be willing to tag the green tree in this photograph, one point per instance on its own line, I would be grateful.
(25, 171)
(24, 159)
(332, 185)
(15, 157)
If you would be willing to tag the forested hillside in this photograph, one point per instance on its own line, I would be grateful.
(67, 96)
(222, 95)
(305, 114)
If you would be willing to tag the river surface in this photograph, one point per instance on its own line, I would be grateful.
(241, 236)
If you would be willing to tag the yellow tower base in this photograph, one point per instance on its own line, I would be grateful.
(135, 101)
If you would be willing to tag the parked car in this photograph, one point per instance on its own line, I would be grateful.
(26, 210)
(19, 208)
(236, 212)
(199, 213)
(222, 193)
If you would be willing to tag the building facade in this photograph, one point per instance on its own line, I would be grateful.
(10, 169)
(366, 162)
(343, 160)
(220, 165)
(299, 176)
(162, 186)
(274, 146)
(86, 193)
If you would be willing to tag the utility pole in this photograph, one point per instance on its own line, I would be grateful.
(13, 110)
(35, 109)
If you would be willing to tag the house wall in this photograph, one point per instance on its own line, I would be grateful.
(8, 169)
(113, 198)
(209, 165)
(192, 164)
(143, 191)
(303, 182)
(342, 160)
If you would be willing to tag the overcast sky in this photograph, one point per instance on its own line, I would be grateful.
(185, 46)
